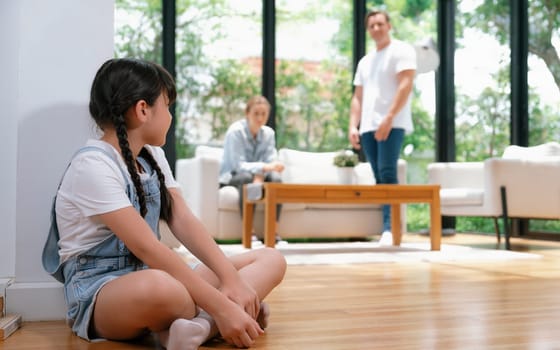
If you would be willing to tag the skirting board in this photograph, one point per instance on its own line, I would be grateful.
(39, 301)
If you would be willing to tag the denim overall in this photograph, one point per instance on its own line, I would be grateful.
(85, 274)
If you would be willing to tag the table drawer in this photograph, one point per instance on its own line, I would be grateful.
(355, 194)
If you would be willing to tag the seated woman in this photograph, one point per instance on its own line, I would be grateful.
(250, 154)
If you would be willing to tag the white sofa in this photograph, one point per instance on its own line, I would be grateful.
(523, 183)
(218, 208)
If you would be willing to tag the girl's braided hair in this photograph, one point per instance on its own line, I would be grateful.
(118, 85)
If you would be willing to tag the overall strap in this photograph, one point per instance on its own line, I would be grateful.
(50, 257)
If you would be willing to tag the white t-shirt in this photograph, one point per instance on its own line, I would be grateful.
(377, 74)
(92, 185)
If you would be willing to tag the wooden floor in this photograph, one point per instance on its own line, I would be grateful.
(505, 305)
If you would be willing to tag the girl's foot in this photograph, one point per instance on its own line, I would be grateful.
(262, 317)
(185, 334)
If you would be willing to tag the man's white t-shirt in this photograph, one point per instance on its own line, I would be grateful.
(93, 185)
(377, 74)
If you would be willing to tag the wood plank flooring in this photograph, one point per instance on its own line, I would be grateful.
(454, 305)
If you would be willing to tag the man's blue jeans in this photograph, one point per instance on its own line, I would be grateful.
(383, 156)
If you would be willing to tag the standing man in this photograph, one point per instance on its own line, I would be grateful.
(380, 112)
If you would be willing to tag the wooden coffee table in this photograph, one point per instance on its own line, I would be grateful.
(394, 195)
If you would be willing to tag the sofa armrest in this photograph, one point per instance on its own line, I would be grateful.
(402, 167)
(532, 186)
(199, 180)
(457, 174)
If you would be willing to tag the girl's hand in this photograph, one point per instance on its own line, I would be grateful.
(237, 327)
(243, 295)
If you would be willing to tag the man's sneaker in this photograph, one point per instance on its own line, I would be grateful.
(255, 241)
(258, 241)
(386, 238)
(280, 241)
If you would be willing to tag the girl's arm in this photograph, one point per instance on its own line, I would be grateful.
(192, 233)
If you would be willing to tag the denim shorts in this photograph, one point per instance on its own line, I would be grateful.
(85, 275)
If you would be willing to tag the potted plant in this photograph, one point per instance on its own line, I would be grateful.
(346, 158)
(345, 161)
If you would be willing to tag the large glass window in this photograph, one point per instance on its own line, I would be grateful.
(544, 83)
(138, 29)
(482, 88)
(544, 71)
(313, 73)
(219, 45)
(218, 63)
(482, 80)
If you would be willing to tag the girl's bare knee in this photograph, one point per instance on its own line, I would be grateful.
(168, 295)
(275, 260)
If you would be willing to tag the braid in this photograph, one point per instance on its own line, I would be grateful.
(166, 200)
(122, 135)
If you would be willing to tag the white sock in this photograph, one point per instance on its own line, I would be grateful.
(185, 334)
(262, 317)
(205, 316)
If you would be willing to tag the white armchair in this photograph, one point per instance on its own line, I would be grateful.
(217, 208)
(467, 189)
(523, 183)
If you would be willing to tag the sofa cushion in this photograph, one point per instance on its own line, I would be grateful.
(364, 174)
(308, 167)
(461, 196)
(540, 152)
(318, 168)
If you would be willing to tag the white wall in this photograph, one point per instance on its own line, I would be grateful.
(54, 50)
(8, 135)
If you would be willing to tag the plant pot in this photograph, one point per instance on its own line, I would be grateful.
(346, 175)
